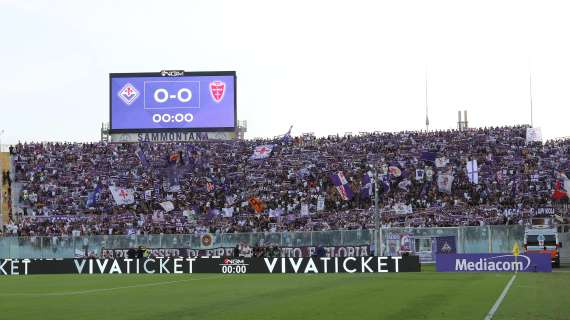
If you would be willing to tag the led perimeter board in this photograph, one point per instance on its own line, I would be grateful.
(172, 101)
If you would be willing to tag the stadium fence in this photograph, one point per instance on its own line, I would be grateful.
(494, 238)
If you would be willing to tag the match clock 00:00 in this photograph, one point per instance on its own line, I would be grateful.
(229, 266)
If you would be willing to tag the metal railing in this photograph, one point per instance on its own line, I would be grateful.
(468, 240)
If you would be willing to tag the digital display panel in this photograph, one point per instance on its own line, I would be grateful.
(190, 101)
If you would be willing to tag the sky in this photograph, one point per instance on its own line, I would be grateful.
(325, 67)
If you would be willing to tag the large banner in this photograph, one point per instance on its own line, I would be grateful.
(287, 252)
(198, 101)
(492, 262)
(210, 265)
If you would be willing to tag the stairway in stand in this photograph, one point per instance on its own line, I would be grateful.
(5, 165)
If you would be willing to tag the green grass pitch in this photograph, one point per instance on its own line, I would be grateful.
(425, 295)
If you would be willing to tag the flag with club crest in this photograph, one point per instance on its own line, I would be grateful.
(342, 185)
(262, 152)
(122, 195)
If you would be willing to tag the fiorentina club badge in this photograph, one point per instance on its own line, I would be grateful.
(217, 90)
(128, 94)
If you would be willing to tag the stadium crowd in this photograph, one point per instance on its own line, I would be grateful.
(215, 186)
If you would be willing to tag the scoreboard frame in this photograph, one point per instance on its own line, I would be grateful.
(159, 75)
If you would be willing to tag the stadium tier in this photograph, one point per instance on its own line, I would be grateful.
(301, 184)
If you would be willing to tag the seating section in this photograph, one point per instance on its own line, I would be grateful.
(215, 186)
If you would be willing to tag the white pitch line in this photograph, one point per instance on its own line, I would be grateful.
(491, 313)
(68, 293)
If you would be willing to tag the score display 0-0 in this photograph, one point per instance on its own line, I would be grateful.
(199, 101)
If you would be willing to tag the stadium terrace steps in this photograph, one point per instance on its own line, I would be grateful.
(5, 165)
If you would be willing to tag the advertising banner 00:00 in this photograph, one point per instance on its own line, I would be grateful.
(210, 265)
(492, 262)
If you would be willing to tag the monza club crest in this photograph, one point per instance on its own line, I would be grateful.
(217, 90)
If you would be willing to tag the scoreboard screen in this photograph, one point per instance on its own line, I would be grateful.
(173, 100)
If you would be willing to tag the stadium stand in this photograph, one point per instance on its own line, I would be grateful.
(215, 186)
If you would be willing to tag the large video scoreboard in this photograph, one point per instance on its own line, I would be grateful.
(172, 101)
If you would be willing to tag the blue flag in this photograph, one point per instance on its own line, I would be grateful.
(428, 156)
(92, 197)
(140, 154)
(366, 189)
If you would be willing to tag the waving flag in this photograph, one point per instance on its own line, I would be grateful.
(394, 171)
(533, 135)
(473, 171)
(227, 212)
(140, 154)
(287, 136)
(274, 213)
(366, 189)
(420, 174)
(262, 152)
(428, 156)
(167, 206)
(558, 193)
(190, 152)
(444, 182)
(92, 197)
(342, 186)
(405, 185)
(122, 195)
(256, 204)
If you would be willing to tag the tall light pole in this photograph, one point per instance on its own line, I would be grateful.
(530, 94)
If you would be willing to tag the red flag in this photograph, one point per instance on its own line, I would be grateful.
(558, 193)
